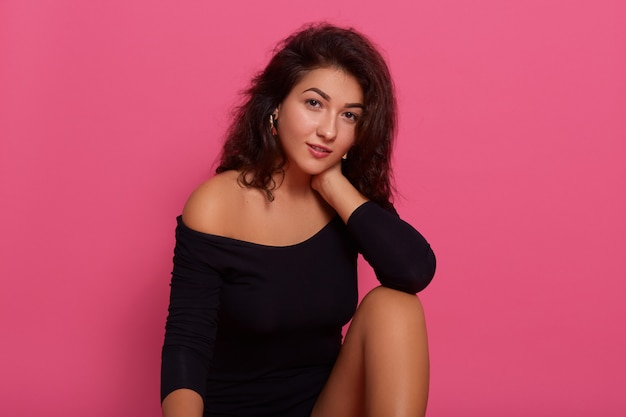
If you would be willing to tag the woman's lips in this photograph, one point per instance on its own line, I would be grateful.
(318, 151)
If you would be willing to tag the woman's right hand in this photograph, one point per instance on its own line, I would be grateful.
(338, 192)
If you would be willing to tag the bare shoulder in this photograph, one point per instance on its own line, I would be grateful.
(211, 205)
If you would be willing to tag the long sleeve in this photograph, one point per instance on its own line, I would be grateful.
(192, 320)
(400, 256)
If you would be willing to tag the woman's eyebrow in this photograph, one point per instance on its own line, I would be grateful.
(327, 97)
(318, 91)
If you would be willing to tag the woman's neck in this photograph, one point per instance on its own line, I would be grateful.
(293, 183)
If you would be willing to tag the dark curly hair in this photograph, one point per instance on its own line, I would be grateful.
(250, 146)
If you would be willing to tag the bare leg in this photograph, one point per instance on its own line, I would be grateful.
(383, 368)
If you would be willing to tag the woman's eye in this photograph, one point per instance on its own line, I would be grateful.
(313, 103)
(351, 116)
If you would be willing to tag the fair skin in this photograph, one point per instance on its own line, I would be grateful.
(316, 127)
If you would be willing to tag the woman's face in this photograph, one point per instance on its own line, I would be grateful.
(317, 120)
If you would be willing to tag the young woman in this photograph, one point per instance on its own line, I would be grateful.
(265, 261)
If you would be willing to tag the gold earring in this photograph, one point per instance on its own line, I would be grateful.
(345, 156)
(273, 121)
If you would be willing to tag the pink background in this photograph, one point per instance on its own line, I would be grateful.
(511, 159)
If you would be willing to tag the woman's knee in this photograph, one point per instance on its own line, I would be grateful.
(387, 310)
(383, 300)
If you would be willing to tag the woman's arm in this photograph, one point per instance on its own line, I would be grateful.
(400, 256)
(191, 323)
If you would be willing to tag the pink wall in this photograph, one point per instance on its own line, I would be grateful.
(511, 160)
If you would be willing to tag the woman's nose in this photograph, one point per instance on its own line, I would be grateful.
(327, 127)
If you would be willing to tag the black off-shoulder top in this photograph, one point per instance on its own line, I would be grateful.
(256, 329)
